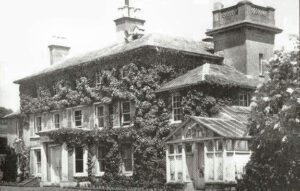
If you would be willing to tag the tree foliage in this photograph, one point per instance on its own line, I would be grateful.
(275, 125)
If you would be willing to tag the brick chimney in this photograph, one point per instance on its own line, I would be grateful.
(58, 49)
(128, 22)
(245, 34)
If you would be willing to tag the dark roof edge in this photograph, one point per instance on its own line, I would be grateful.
(215, 57)
(273, 29)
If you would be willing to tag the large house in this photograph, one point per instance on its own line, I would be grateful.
(201, 150)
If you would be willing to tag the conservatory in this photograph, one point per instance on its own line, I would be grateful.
(205, 151)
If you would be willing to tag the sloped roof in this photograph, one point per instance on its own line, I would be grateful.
(238, 113)
(211, 73)
(231, 122)
(13, 114)
(155, 40)
(223, 127)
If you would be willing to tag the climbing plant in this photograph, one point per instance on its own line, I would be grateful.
(134, 82)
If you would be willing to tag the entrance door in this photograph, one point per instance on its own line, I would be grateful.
(199, 177)
(55, 164)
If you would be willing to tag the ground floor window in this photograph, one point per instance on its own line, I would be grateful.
(79, 162)
(101, 158)
(175, 162)
(127, 162)
(38, 161)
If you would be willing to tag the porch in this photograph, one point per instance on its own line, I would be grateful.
(207, 151)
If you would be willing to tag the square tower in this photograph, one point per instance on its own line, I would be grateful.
(245, 34)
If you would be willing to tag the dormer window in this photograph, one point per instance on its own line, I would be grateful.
(176, 108)
(244, 99)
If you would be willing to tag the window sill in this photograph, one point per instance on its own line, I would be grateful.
(80, 174)
(35, 137)
(99, 174)
(127, 173)
(175, 122)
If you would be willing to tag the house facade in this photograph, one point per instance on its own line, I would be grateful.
(96, 93)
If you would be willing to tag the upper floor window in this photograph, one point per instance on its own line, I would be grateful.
(56, 121)
(38, 124)
(78, 118)
(126, 154)
(260, 63)
(120, 113)
(126, 118)
(244, 99)
(100, 116)
(176, 108)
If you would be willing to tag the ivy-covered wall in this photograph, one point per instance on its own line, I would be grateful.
(146, 70)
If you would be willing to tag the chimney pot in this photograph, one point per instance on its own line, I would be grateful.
(218, 5)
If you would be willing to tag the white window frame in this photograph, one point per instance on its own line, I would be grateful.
(242, 102)
(176, 108)
(35, 150)
(123, 170)
(81, 119)
(85, 167)
(122, 113)
(54, 122)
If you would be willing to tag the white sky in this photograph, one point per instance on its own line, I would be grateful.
(27, 27)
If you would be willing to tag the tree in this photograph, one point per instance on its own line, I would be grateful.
(275, 126)
(9, 166)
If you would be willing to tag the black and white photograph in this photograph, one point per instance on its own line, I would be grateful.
(149, 95)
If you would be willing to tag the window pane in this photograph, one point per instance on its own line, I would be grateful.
(176, 108)
(219, 145)
(210, 146)
(56, 120)
(171, 147)
(126, 107)
(179, 149)
(229, 145)
(241, 145)
(188, 148)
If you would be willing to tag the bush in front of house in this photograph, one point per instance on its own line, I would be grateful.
(9, 165)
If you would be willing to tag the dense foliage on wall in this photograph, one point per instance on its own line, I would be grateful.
(23, 155)
(151, 122)
(9, 165)
(275, 125)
